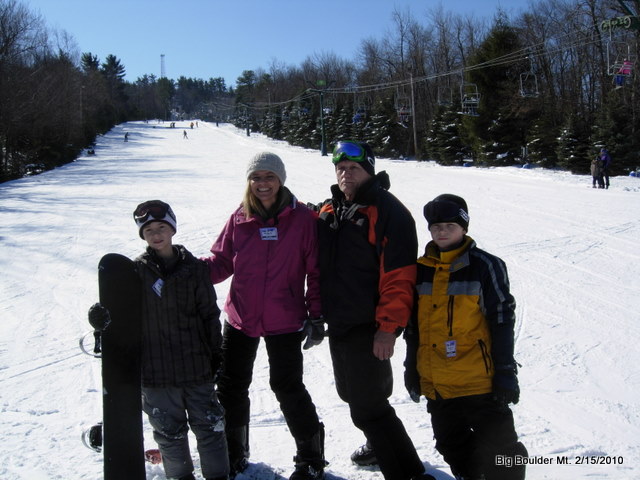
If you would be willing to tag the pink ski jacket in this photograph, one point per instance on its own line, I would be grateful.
(269, 261)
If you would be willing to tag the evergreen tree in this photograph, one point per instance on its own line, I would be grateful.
(499, 132)
(114, 72)
(613, 131)
(574, 153)
(380, 133)
(445, 142)
(542, 142)
(89, 62)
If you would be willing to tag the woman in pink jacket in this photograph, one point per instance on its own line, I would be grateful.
(269, 245)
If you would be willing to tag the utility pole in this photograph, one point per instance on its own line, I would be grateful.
(413, 111)
(321, 91)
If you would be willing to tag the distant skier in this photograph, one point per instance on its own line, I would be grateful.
(184, 134)
(126, 137)
(605, 158)
(596, 173)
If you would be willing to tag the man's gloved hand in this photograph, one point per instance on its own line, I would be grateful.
(99, 317)
(505, 385)
(313, 330)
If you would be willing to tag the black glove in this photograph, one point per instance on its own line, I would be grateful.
(99, 317)
(412, 384)
(412, 379)
(505, 385)
(216, 367)
(411, 375)
(313, 330)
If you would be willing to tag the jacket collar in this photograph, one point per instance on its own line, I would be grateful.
(457, 259)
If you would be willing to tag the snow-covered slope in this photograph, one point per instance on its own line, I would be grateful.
(572, 254)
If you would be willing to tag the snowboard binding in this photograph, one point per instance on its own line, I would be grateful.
(99, 318)
(92, 437)
(96, 350)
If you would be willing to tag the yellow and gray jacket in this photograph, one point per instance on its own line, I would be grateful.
(463, 327)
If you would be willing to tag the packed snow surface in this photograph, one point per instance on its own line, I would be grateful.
(572, 254)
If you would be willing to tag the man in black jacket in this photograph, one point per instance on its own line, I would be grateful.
(368, 246)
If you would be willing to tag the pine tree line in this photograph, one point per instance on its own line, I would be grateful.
(543, 84)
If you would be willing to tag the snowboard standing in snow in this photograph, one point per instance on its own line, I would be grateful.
(123, 442)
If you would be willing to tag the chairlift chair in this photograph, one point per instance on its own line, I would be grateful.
(619, 58)
(360, 109)
(404, 114)
(529, 85)
(329, 105)
(470, 99)
(403, 106)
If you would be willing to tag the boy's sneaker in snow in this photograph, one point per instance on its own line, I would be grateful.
(364, 456)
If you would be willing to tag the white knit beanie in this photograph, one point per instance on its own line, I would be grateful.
(267, 161)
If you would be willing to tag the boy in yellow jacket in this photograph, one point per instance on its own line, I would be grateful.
(460, 349)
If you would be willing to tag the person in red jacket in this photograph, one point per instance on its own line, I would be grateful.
(270, 246)
(368, 245)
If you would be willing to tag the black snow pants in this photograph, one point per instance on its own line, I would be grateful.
(476, 436)
(366, 383)
(285, 379)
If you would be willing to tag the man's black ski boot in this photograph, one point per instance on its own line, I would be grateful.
(364, 456)
(309, 457)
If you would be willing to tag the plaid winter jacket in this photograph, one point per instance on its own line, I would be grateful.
(180, 321)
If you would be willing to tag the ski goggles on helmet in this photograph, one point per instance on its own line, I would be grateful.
(444, 211)
(154, 209)
(348, 151)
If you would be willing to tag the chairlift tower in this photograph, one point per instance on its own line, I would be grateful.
(162, 72)
(620, 58)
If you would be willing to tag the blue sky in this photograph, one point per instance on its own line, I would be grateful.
(221, 38)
